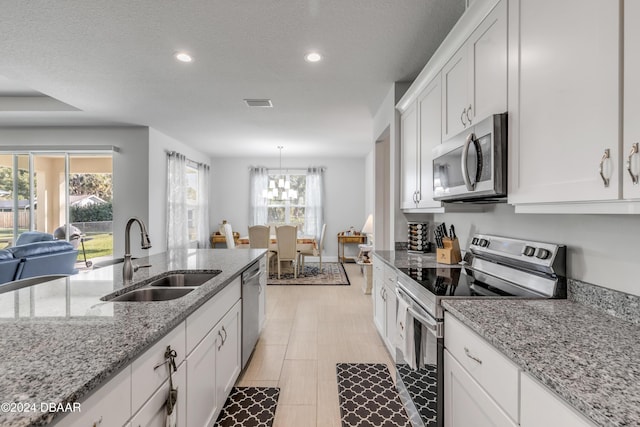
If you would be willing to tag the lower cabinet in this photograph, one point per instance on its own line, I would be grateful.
(384, 302)
(466, 403)
(229, 356)
(154, 412)
(534, 396)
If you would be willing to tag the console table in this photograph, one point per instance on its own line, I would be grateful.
(217, 238)
(348, 239)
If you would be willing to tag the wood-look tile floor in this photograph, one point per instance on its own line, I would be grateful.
(308, 330)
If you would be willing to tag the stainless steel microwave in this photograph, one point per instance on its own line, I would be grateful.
(472, 166)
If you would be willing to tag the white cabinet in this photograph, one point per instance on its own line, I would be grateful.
(409, 148)
(229, 356)
(110, 405)
(153, 413)
(474, 80)
(541, 408)
(564, 110)
(213, 367)
(496, 374)
(631, 136)
(384, 307)
(466, 403)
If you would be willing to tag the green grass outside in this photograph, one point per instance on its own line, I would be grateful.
(99, 245)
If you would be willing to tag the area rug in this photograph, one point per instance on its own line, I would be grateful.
(368, 397)
(332, 274)
(249, 407)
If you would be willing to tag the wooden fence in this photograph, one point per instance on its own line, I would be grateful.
(6, 219)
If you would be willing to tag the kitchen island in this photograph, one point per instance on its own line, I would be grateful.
(60, 342)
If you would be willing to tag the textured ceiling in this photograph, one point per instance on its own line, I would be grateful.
(113, 61)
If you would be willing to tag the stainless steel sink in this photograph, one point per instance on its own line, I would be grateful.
(152, 294)
(183, 279)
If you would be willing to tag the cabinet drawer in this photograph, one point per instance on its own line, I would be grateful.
(535, 396)
(204, 319)
(153, 413)
(493, 371)
(144, 378)
(110, 405)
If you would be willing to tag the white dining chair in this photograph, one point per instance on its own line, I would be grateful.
(287, 238)
(228, 235)
(260, 238)
(307, 253)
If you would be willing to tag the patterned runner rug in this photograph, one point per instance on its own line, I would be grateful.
(332, 274)
(368, 397)
(249, 407)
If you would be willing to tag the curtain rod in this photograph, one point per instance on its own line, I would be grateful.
(291, 168)
(60, 148)
(172, 152)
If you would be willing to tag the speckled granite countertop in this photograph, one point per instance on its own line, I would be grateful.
(588, 358)
(59, 341)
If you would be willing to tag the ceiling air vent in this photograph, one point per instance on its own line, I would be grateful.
(264, 103)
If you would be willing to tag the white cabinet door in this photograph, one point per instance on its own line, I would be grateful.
(409, 150)
(454, 94)
(567, 101)
(466, 403)
(228, 359)
(429, 107)
(631, 186)
(487, 53)
(202, 402)
(379, 306)
(153, 413)
(541, 408)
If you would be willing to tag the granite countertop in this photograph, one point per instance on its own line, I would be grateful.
(587, 357)
(59, 341)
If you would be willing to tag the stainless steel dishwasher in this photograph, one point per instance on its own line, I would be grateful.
(250, 308)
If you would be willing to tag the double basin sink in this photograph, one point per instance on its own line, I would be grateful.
(164, 288)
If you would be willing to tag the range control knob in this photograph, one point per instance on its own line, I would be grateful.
(543, 254)
(475, 241)
(484, 243)
(529, 251)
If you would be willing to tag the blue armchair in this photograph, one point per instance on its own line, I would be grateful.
(8, 266)
(44, 258)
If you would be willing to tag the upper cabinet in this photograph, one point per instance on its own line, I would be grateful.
(565, 139)
(474, 80)
(631, 126)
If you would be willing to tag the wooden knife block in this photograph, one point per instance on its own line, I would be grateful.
(450, 254)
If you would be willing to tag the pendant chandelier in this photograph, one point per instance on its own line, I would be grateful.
(281, 190)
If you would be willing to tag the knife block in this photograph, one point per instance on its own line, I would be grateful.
(450, 254)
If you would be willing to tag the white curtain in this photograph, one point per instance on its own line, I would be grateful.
(259, 181)
(203, 206)
(177, 227)
(314, 208)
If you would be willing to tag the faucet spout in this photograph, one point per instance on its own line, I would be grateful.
(145, 243)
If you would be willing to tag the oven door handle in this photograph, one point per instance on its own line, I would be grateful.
(425, 319)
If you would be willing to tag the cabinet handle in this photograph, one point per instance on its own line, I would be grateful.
(225, 335)
(462, 117)
(634, 150)
(97, 423)
(418, 196)
(221, 341)
(471, 356)
(467, 114)
(605, 156)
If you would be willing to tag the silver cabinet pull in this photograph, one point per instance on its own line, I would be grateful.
(605, 156)
(225, 335)
(634, 150)
(468, 111)
(221, 340)
(471, 356)
(418, 198)
(464, 112)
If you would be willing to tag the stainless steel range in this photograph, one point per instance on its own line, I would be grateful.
(493, 266)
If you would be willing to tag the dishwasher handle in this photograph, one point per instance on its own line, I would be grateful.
(250, 278)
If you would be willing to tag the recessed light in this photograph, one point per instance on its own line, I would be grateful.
(313, 57)
(183, 57)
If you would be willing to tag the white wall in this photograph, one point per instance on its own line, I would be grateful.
(159, 144)
(601, 249)
(344, 192)
(130, 165)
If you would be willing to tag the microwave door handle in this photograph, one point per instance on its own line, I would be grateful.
(465, 169)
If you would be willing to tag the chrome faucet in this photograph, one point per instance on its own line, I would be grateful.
(127, 268)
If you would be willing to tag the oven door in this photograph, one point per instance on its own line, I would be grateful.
(472, 165)
(419, 375)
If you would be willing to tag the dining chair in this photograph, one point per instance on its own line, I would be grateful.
(307, 253)
(287, 238)
(259, 238)
(228, 235)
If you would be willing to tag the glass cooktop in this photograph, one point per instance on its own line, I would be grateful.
(451, 282)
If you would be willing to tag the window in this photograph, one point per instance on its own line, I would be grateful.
(192, 201)
(286, 197)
